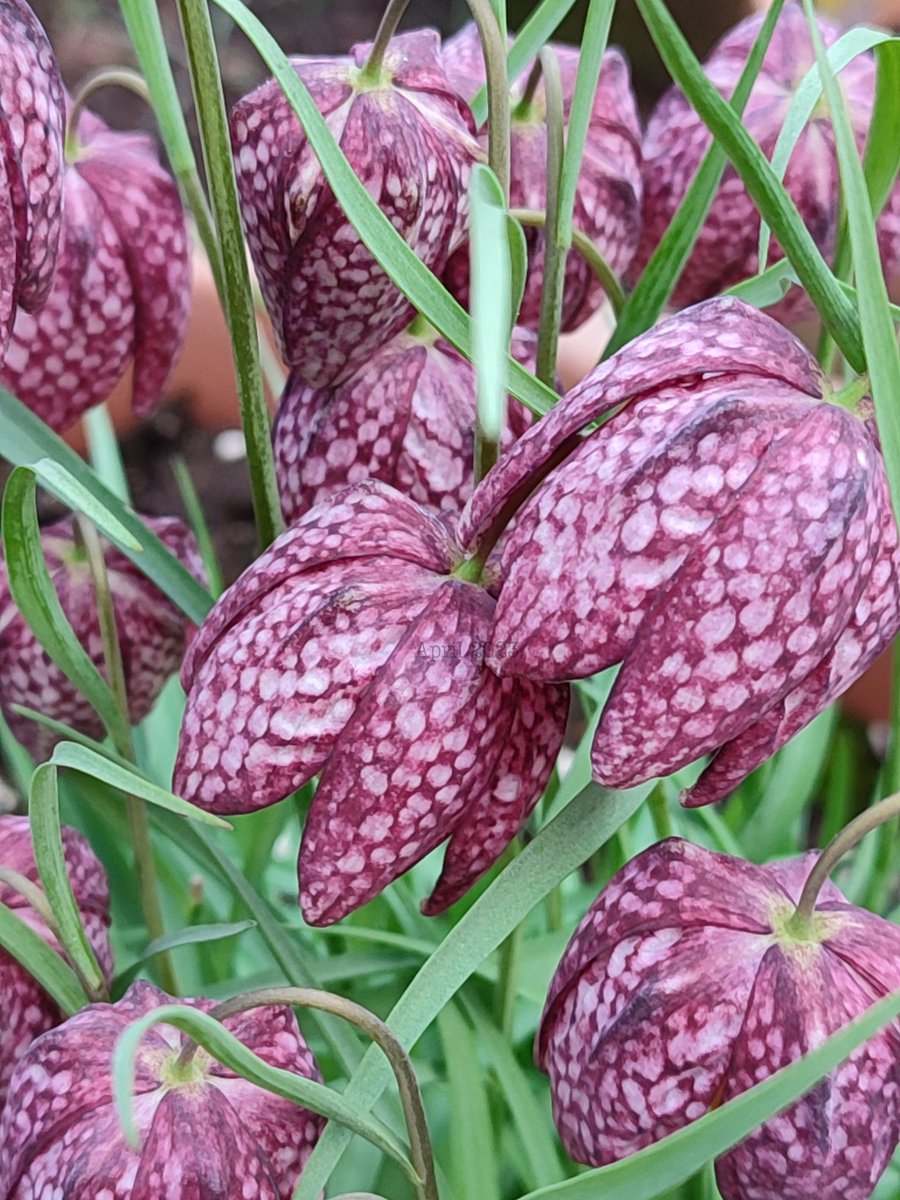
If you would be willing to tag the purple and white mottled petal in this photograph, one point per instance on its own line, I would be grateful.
(837, 1140)
(639, 1045)
(7, 259)
(327, 438)
(64, 1130)
(420, 743)
(32, 126)
(763, 597)
(411, 144)
(367, 520)
(593, 546)
(872, 627)
(530, 744)
(277, 688)
(722, 336)
(69, 356)
(141, 200)
(674, 883)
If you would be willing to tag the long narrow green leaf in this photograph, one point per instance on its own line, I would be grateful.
(772, 200)
(659, 277)
(54, 478)
(46, 836)
(103, 448)
(491, 295)
(400, 262)
(880, 341)
(803, 103)
(25, 441)
(36, 599)
(882, 155)
(558, 850)
(232, 1053)
(194, 935)
(654, 1172)
(43, 964)
(98, 766)
(473, 1164)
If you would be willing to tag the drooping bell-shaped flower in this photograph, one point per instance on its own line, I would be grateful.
(32, 124)
(608, 198)
(204, 1131)
(122, 286)
(151, 632)
(27, 1010)
(726, 536)
(406, 417)
(685, 985)
(409, 138)
(351, 650)
(676, 141)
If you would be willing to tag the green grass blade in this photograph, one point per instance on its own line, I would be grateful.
(491, 296)
(36, 599)
(197, 520)
(46, 836)
(25, 441)
(472, 1163)
(98, 766)
(43, 964)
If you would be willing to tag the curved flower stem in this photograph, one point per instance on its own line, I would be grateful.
(523, 106)
(122, 77)
(879, 814)
(497, 88)
(138, 821)
(237, 296)
(848, 397)
(588, 251)
(659, 813)
(391, 19)
(555, 254)
(381, 1035)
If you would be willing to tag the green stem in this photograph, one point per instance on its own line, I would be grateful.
(390, 22)
(145, 30)
(522, 110)
(380, 1033)
(138, 821)
(848, 397)
(122, 77)
(879, 814)
(555, 255)
(588, 250)
(213, 122)
(497, 88)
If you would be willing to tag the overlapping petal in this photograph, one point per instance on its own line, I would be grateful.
(410, 141)
(216, 1138)
(351, 649)
(681, 989)
(121, 291)
(406, 417)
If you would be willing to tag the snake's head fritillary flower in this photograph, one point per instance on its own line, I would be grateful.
(409, 138)
(406, 417)
(27, 1010)
(677, 140)
(726, 536)
(685, 985)
(122, 286)
(32, 121)
(351, 650)
(203, 1132)
(150, 628)
(608, 198)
